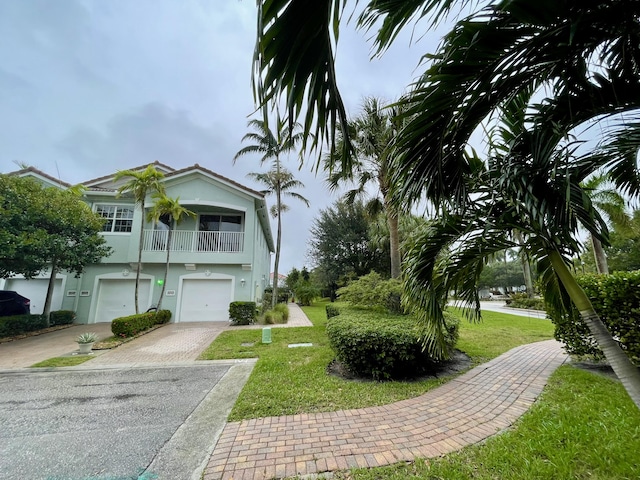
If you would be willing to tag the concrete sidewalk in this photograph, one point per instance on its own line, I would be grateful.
(466, 410)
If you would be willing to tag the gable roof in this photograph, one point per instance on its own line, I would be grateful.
(101, 185)
(40, 175)
(96, 182)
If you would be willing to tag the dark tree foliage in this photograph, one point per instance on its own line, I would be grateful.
(341, 247)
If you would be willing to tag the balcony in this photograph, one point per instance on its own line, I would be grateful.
(191, 241)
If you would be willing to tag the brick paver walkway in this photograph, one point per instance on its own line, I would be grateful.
(466, 410)
(174, 342)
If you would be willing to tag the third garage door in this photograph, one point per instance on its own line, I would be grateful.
(205, 300)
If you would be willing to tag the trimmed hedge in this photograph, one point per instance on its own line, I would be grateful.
(332, 311)
(521, 300)
(134, 324)
(616, 299)
(383, 347)
(19, 324)
(62, 317)
(242, 313)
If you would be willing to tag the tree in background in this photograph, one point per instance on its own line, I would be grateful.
(279, 182)
(139, 184)
(372, 133)
(167, 207)
(45, 227)
(272, 144)
(623, 251)
(341, 248)
(608, 201)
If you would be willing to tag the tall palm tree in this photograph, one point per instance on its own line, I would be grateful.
(164, 206)
(372, 133)
(272, 144)
(608, 201)
(584, 56)
(279, 182)
(140, 183)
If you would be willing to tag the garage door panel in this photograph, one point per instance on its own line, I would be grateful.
(116, 298)
(36, 291)
(205, 300)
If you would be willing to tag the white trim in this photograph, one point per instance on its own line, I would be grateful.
(202, 276)
(116, 276)
(209, 203)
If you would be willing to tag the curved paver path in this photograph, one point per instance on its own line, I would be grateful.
(466, 410)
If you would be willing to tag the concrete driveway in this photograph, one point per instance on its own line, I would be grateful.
(146, 422)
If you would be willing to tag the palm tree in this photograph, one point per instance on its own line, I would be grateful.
(611, 204)
(167, 207)
(279, 181)
(487, 59)
(271, 145)
(372, 133)
(140, 184)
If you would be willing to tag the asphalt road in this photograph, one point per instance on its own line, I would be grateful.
(151, 422)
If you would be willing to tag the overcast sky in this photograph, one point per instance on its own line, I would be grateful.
(88, 87)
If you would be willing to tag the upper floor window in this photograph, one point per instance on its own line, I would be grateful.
(118, 218)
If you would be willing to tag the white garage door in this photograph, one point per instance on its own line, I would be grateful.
(116, 298)
(36, 291)
(205, 300)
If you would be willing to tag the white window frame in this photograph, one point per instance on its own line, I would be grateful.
(115, 218)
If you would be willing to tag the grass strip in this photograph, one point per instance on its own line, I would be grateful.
(63, 361)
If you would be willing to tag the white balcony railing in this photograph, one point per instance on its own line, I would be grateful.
(190, 241)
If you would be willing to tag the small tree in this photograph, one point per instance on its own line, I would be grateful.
(43, 227)
(140, 184)
(170, 207)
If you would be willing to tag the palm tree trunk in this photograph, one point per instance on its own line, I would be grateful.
(274, 300)
(139, 265)
(526, 272)
(394, 242)
(599, 256)
(50, 287)
(627, 373)
(166, 269)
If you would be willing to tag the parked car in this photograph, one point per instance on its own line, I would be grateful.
(12, 303)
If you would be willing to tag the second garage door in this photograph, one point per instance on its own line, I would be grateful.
(205, 300)
(116, 298)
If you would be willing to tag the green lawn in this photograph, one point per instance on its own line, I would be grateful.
(582, 427)
(294, 380)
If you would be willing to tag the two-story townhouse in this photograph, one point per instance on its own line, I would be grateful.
(221, 255)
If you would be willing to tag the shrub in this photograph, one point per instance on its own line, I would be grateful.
(19, 324)
(242, 313)
(133, 324)
(332, 311)
(383, 348)
(283, 297)
(283, 310)
(62, 317)
(273, 316)
(163, 316)
(616, 299)
(371, 291)
(521, 300)
(306, 293)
